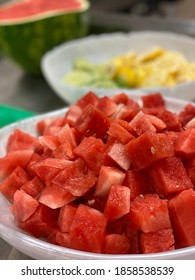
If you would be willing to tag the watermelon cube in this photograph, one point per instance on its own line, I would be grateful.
(33, 187)
(159, 241)
(13, 182)
(107, 106)
(50, 167)
(149, 213)
(116, 244)
(91, 150)
(185, 144)
(49, 142)
(73, 114)
(118, 203)
(64, 151)
(107, 177)
(169, 176)
(153, 100)
(140, 124)
(13, 159)
(119, 132)
(23, 206)
(156, 122)
(93, 122)
(20, 140)
(76, 178)
(137, 181)
(87, 231)
(148, 148)
(42, 222)
(170, 119)
(66, 216)
(66, 134)
(116, 154)
(182, 213)
(88, 98)
(55, 196)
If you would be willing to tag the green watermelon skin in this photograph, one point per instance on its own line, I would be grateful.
(25, 43)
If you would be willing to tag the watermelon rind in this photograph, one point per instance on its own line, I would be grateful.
(25, 40)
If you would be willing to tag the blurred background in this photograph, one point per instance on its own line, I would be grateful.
(160, 8)
(22, 90)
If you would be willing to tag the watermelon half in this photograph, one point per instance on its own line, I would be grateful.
(28, 28)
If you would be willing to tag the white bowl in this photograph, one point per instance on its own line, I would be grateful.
(56, 63)
(39, 249)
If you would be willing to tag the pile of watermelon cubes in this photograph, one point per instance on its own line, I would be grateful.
(111, 176)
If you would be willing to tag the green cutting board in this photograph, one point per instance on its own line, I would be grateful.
(9, 115)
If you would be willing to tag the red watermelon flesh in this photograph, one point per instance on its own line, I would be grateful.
(182, 213)
(155, 242)
(31, 8)
(95, 187)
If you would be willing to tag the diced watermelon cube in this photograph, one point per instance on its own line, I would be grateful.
(89, 98)
(50, 126)
(91, 150)
(153, 100)
(50, 167)
(55, 196)
(125, 112)
(185, 144)
(141, 123)
(120, 98)
(119, 133)
(107, 177)
(170, 119)
(116, 153)
(149, 213)
(33, 187)
(20, 140)
(24, 206)
(42, 124)
(107, 106)
(182, 213)
(49, 141)
(148, 148)
(93, 122)
(155, 242)
(87, 231)
(169, 176)
(116, 244)
(187, 114)
(73, 114)
(42, 222)
(64, 151)
(65, 134)
(156, 122)
(13, 159)
(118, 203)
(13, 182)
(66, 216)
(30, 166)
(137, 181)
(76, 178)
